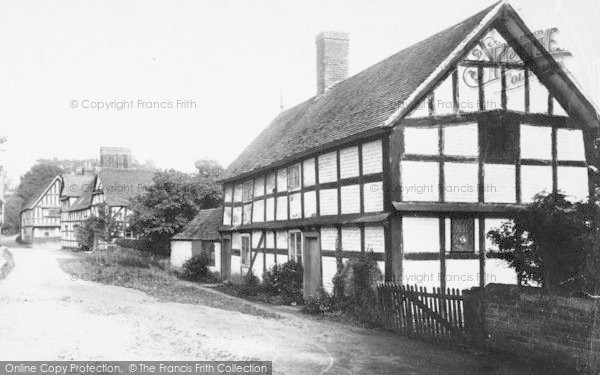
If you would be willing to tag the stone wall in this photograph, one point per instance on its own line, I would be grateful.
(531, 324)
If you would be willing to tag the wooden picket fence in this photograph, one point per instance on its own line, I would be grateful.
(411, 310)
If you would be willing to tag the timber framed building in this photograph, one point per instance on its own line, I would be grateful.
(414, 158)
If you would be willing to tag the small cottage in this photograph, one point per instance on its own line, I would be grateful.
(198, 236)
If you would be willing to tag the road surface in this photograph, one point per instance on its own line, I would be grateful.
(44, 315)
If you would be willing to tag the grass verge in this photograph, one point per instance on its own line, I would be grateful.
(134, 269)
(9, 265)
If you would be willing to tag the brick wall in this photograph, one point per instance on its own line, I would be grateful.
(527, 322)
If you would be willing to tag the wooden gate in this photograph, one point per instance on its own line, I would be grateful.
(413, 311)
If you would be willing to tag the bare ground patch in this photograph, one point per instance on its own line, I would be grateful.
(134, 270)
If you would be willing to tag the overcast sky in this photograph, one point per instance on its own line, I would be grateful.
(231, 58)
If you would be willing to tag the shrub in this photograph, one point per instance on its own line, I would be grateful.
(285, 280)
(158, 248)
(251, 285)
(323, 302)
(196, 269)
(554, 243)
(19, 240)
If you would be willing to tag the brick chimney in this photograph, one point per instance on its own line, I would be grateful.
(332, 59)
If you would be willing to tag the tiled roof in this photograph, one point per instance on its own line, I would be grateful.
(356, 105)
(205, 226)
(75, 184)
(83, 201)
(34, 198)
(120, 185)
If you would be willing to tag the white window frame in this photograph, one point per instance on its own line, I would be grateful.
(249, 250)
(292, 248)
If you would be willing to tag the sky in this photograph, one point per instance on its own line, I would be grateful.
(188, 80)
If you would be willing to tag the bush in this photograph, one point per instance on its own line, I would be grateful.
(251, 285)
(285, 280)
(196, 269)
(19, 240)
(162, 248)
(323, 302)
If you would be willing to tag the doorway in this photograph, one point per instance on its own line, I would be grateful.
(312, 279)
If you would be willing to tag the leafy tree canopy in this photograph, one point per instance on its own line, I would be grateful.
(36, 178)
(174, 199)
(555, 243)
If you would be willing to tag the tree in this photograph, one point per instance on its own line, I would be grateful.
(36, 178)
(173, 199)
(205, 178)
(102, 227)
(12, 210)
(555, 243)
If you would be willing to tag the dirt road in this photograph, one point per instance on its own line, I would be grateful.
(46, 315)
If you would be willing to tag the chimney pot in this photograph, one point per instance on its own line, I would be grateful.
(332, 59)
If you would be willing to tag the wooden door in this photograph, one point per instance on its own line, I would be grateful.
(312, 280)
(226, 260)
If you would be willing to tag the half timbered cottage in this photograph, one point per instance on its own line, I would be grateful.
(414, 158)
(40, 216)
(111, 190)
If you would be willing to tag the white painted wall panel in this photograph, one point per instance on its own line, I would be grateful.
(515, 90)
(295, 206)
(282, 240)
(328, 238)
(308, 169)
(423, 273)
(461, 140)
(270, 238)
(536, 142)
(573, 182)
(310, 204)
(420, 234)
(373, 196)
(259, 186)
(236, 241)
(228, 193)
(443, 98)
(538, 95)
(236, 263)
(374, 238)
(258, 211)
(421, 141)
(236, 219)
(327, 168)
(350, 199)
(270, 209)
(237, 194)
(569, 144)
(328, 202)
(461, 182)
(420, 181)
(329, 267)
(247, 216)
(181, 251)
(217, 267)
(492, 89)
(372, 155)
(468, 91)
(270, 261)
(499, 183)
(282, 180)
(349, 162)
(535, 179)
(497, 271)
(351, 238)
(282, 208)
(271, 182)
(462, 273)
